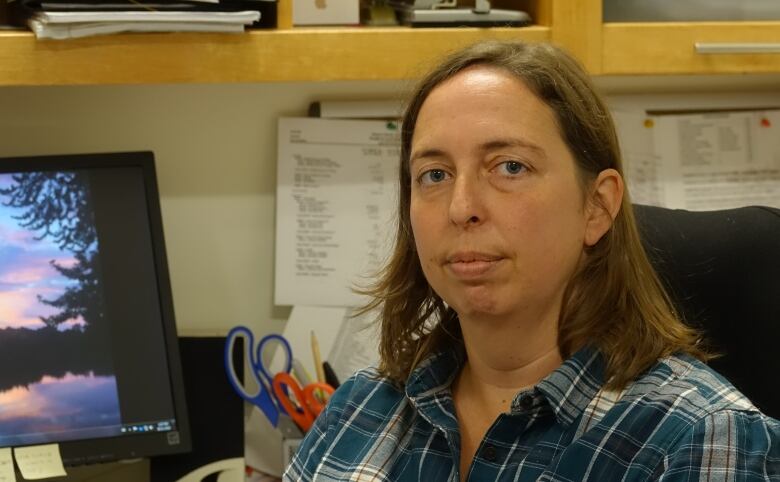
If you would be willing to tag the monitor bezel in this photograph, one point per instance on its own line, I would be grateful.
(137, 445)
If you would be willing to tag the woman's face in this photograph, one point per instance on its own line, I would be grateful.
(497, 210)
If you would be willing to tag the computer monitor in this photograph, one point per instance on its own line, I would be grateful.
(88, 349)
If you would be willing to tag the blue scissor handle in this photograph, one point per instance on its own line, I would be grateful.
(262, 399)
(259, 362)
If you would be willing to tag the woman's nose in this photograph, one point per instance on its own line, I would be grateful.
(466, 207)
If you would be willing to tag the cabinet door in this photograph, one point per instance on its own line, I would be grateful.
(691, 47)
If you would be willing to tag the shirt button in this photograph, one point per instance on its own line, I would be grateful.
(489, 453)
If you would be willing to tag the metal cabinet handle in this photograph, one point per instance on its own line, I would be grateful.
(736, 48)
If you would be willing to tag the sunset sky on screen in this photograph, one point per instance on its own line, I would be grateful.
(26, 271)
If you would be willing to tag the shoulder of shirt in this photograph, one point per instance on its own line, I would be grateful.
(691, 387)
(366, 389)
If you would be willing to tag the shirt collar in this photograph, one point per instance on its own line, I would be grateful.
(569, 389)
(428, 388)
(572, 387)
(436, 372)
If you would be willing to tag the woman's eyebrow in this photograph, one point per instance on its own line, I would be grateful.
(503, 143)
(423, 153)
(488, 146)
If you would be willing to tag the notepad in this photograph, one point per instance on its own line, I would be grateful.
(39, 461)
(7, 473)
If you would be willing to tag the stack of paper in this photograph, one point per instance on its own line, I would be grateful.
(61, 19)
(62, 25)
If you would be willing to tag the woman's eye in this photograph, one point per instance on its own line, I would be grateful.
(512, 167)
(433, 176)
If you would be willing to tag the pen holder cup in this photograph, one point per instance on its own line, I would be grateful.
(289, 448)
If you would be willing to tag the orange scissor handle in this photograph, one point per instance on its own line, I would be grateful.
(314, 405)
(305, 413)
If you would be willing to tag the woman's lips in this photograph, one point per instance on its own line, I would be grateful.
(471, 265)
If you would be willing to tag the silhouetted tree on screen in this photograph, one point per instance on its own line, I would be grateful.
(56, 205)
(83, 299)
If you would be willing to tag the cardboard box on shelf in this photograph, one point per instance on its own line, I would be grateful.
(326, 12)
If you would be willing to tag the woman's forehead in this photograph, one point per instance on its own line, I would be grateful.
(484, 101)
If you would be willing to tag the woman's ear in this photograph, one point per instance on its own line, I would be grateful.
(603, 205)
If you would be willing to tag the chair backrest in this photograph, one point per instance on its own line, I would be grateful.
(722, 269)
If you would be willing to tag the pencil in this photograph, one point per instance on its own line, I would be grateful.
(315, 351)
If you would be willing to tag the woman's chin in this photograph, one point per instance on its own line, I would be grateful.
(475, 302)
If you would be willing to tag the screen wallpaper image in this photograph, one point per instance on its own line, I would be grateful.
(57, 379)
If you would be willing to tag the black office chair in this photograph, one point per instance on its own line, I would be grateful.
(722, 269)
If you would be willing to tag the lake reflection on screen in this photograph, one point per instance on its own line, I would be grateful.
(56, 409)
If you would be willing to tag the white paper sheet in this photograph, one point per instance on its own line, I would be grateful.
(702, 161)
(245, 17)
(39, 461)
(87, 29)
(641, 164)
(720, 161)
(7, 473)
(336, 198)
(356, 345)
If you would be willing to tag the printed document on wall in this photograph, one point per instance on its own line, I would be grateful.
(641, 164)
(720, 160)
(335, 204)
(706, 161)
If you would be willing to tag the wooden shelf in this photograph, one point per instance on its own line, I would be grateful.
(668, 48)
(311, 54)
(369, 53)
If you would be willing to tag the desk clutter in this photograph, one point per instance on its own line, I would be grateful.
(288, 397)
(63, 19)
(275, 415)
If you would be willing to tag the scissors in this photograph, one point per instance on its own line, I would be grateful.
(264, 398)
(308, 407)
(275, 402)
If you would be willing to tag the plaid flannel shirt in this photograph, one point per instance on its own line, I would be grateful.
(680, 421)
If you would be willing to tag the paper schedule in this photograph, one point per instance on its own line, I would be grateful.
(336, 183)
(721, 160)
(704, 161)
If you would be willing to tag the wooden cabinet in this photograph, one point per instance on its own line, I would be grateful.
(647, 48)
(366, 53)
(691, 47)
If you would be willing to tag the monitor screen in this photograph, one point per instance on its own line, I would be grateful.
(88, 349)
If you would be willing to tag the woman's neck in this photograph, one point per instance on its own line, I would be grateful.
(509, 356)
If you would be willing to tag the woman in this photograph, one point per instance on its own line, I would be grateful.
(525, 335)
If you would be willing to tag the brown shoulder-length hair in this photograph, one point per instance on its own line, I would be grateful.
(615, 302)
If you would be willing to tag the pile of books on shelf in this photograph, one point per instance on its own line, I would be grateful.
(62, 19)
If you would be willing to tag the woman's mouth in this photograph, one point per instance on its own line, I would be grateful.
(471, 265)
